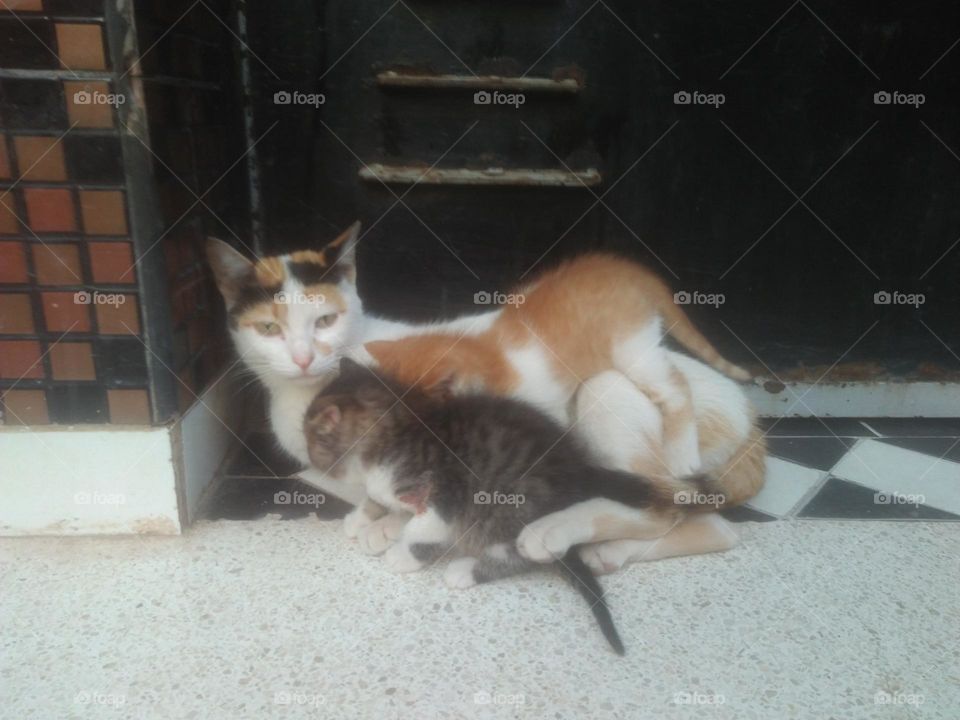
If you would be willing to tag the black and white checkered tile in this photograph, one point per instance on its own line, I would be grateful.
(842, 468)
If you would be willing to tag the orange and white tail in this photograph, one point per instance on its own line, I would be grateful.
(684, 332)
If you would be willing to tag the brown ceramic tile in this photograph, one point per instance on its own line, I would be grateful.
(87, 114)
(20, 359)
(129, 407)
(6, 171)
(112, 262)
(120, 318)
(72, 361)
(40, 157)
(8, 218)
(50, 210)
(25, 407)
(62, 312)
(80, 47)
(13, 263)
(103, 212)
(23, 5)
(16, 314)
(57, 264)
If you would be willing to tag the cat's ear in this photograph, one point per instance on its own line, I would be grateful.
(230, 269)
(382, 351)
(342, 251)
(323, 418)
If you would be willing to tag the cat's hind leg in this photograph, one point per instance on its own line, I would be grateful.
(424, 538)
(496, 561)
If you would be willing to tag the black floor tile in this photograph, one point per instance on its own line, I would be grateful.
(843, 500)
(261, 457)
(814, 427)
(819, 453)
(947, 448)
(743, 513)
(251, 498)
(916, 427)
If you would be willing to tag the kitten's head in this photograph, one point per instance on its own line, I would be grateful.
(346, 414)
(291, 316)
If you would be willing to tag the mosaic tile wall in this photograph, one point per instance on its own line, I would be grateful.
(72, 307)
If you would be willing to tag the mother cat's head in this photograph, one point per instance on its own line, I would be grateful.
(291, 316)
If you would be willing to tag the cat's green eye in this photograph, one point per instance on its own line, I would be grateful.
(325, 321)
(268, 328)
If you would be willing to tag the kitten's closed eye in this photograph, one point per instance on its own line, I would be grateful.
(325, 321)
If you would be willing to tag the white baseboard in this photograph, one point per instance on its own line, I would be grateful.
(857, 399)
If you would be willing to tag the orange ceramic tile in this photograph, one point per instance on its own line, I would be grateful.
(40, 157)
(16, 314)
(112, 262)
(50, 210)
(63, 312)
(6, 172)
(103, 212)
(13, 263)
(8, 217)
(129, 407)
(57, 264)
(119, 318)
(80, 47)
(82, 108)
(20, 359)
(72, 361)
(25, 407)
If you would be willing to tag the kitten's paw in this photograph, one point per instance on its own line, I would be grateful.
(459, 573)
(399, 559)
(377, 536)
(355, 521)
(545, 540)
(607, 557)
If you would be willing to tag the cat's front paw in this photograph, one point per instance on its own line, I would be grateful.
(375, 537)
(546, 539)
(399, 559)
(459, 573)
(355, 521)
(607, 557)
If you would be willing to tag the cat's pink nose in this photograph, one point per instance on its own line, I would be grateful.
(303, 361)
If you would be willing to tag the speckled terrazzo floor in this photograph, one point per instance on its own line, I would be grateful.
(261, 619)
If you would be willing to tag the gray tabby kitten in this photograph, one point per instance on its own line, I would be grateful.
(474, 470)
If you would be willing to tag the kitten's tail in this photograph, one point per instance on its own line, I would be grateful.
(738, 480)
(574, 569)
(685, 332)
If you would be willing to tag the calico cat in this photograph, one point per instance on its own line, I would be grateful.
(474, 470)
(594, 313)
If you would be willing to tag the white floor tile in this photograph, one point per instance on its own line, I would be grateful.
(786, 483)
(897, 470)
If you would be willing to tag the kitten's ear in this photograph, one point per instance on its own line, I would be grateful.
(343, 251)
(230, 269)
(322, 420)
(442, 388)
(381, 351)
